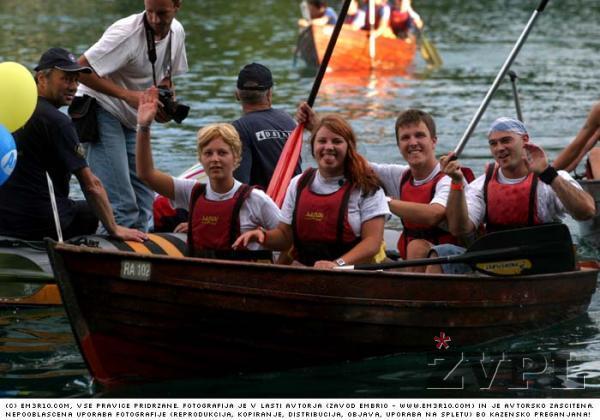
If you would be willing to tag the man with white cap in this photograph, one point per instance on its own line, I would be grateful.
(519, 189)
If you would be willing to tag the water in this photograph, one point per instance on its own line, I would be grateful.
(558, 75)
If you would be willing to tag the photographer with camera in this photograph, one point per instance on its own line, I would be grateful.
(134, 53)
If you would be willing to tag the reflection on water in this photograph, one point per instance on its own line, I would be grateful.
(38, 355)
(558, 78)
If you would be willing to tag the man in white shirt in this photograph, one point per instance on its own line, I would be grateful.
(123, 69)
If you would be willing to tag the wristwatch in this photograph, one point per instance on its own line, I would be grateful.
(340, 262)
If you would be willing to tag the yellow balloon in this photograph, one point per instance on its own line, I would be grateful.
(18, 95)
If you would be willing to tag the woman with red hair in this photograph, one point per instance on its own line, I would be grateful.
(333, 215)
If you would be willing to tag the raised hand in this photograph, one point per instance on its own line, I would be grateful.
(148, 106)
(535, 158)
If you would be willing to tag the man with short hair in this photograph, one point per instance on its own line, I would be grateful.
(262, 129)
(48, 144)
(121, 60)
(519, 189)
(419, 190)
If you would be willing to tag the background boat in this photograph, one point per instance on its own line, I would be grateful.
(352, 50)
(142, 318)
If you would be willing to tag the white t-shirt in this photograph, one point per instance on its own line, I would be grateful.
(257, 210)
(549, 207)
(121, 56)
(360, 208)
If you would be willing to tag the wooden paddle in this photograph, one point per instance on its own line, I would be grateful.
(533, 250)
(293, 146)
(428, 50)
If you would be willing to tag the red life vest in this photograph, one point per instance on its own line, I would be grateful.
(166, 218)
(214, 225)
(504, 202)
(423, 194)
(399, 21)
(320, 222)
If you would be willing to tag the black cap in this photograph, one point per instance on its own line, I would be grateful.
(254, 77)
(61, 59)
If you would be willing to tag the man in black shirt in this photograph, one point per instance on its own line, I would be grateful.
(48, 143)
(263, 130)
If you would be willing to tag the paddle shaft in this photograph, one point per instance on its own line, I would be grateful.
(371, 31)
(469, 257)
(54, 208)
(486, 100)
(513, 82)
(328, 52)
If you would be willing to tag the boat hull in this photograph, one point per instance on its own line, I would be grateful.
(352, 50)
(197, 318)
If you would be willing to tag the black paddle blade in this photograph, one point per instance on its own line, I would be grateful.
(538, 249)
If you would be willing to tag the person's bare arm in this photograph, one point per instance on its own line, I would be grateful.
(457, 214)
(107, 87)
(159, 181)
(577, 202)
(586, 138)
(97, 198)
(421, 213)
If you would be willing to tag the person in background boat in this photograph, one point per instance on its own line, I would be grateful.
(48, 144)
(382, 19)
(519, 189)
(333, 215)
(122, 71)
(262, 129)
(355, 13)
(403, 19)
(220, 210)
(584, 142)
(418, 191)
(320, 14)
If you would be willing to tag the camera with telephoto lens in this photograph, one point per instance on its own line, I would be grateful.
(173, 109)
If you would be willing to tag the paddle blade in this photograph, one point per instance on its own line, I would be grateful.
(286, 165)
(429, 52)
(538, 249)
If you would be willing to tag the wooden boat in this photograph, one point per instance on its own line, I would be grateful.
(151, 317)
(589, 230)
(352, 50)
(26, 278)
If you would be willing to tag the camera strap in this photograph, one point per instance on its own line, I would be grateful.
(152, 51)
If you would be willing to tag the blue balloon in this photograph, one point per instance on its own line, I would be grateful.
(8, 154)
